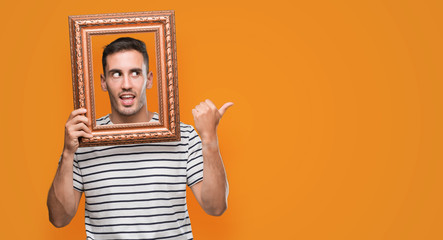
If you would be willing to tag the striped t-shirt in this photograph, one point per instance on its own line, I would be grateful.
(138, 191)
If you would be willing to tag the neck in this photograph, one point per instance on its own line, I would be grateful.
(141, 116)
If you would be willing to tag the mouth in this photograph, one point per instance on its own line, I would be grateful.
(127, 99)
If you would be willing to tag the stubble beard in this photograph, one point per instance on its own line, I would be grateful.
(127, 112)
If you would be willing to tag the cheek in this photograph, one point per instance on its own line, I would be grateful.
(111, 88)
(142, 88)
(112, 93)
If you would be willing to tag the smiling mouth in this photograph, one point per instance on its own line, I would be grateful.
(127, 99)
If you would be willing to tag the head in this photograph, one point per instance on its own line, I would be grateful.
(126, 76)
(125, 44)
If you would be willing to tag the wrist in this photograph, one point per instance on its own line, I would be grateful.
(209, 137)
(67, 156)
(210, 142)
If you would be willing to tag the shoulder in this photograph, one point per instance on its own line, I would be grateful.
(105, 120)
(155, 118)
(186, 128)
(188, 133)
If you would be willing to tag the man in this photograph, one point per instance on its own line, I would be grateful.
(137, 191)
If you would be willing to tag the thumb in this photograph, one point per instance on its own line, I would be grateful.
(225, 106)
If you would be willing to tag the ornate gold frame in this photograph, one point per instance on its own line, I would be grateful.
(81, 28)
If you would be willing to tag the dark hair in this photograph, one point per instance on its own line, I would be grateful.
(124, 44)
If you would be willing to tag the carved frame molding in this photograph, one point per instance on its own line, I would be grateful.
(82, 27)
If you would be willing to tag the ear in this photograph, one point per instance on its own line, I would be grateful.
(150, 81)
(103, 83)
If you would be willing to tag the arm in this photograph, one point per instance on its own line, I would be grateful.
(212, 192)
(63, 199)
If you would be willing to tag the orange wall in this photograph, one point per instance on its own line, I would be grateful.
(336, 131)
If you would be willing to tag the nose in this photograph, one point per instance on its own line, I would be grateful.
(127, 82)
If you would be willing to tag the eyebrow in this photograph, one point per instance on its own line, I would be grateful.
(131, 70)
(135, 70)
(114, 70)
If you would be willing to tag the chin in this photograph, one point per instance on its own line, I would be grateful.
(127, 112)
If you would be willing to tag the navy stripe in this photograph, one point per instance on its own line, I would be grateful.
(130, 177)
(141, 200)
(196, 181)
(131, 169)
(192, 159)
(136, 216)
(193, 137)
(195, 173)
(159, 238)
(133, 145)
(132, 185)
(133, 161)
(127, 154)
(194, 145)
(136, 224)
(78, 189)
(198, 149)
(138, 208)
(77, 181)
(106, 123)
(198, 164)
(158, 230)
(102, 118)
(77, 174)
(165, 237)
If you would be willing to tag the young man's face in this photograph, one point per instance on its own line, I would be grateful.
(126, 81)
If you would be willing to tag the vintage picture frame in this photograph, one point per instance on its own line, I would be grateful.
(162, 23)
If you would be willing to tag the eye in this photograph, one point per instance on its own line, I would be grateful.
(135, 73)
(116, 75)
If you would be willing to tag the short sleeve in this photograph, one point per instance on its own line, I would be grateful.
(77, 175)
(194, 168)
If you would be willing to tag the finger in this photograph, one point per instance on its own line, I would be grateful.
(201, 107)
(194, 112)
(210, 104)
(80, 127)
(82, 134)
(77, 112)
(85, 135)
(225, 106)
(79, 119)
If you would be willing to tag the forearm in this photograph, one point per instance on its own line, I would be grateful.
(214, 191)
(62, 201)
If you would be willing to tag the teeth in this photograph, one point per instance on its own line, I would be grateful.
(126, 96)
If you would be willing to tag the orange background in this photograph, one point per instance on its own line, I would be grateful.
(336, 131)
